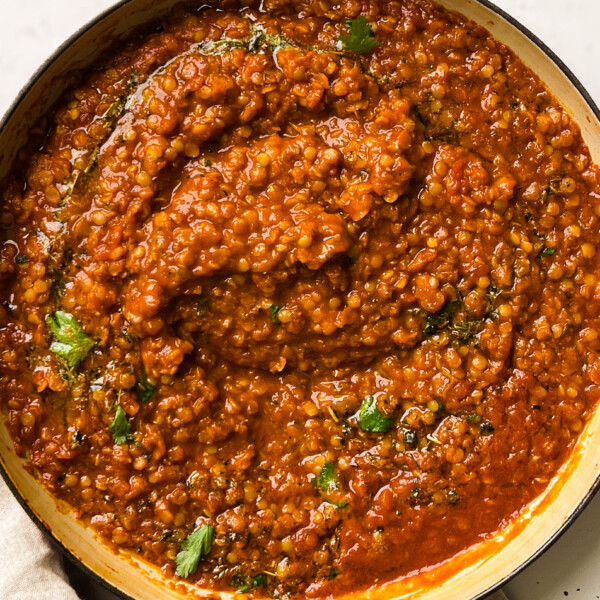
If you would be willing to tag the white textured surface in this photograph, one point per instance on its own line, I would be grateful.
(31, 29)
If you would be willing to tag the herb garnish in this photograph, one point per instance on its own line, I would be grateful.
(71, 343)
(545, 251)
(486, 427)
(274, 311)
(361, 38)
(409, 438)
(492, 293)
(117, 108)
(452, 497)
(259, 581)
(441, 319)
(465, 331)
(462, 331)
(327, 480)
(144, 389)
(120, 427)
(245, 583)
(193, 549)
(371, 419)
(110, 116)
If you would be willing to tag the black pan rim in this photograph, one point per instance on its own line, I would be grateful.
(68, 554)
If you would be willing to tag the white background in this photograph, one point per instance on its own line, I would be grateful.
(31, 29)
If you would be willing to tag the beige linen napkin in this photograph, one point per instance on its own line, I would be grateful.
(30, 569)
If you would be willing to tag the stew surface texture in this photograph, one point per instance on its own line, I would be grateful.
(301, 298)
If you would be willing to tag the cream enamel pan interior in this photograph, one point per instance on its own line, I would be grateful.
(468, 576)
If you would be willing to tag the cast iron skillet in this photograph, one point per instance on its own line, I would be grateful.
(471, 575)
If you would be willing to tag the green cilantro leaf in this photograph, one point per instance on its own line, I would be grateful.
(144, 389)
(361, 39)
(547, 251)
(70, 341)
(259, 581)
(328, 480)
(274, 310)
(120, 427)
(371, 419)
(193, 549)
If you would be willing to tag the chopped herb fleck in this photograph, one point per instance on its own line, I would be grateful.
(419, 115)
(120, 427)
(474, 419)
(361, 38)
(77, 439)
(371, 419)
(255, 39)
(193, 549)
(465, 331)
(241, 583)
(274, 311)
(328, 480)
(545, 251)
(333, 574)
(492, 293)
(410, 438)
(117, 108)
(70, 343)
(441, 319)
(554, 186)
(166, 534)
(486, 427)
(452, 497)
(144, 389)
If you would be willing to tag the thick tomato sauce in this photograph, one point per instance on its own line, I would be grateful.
(343, 308)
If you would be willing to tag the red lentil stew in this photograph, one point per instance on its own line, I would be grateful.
(301, 298)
